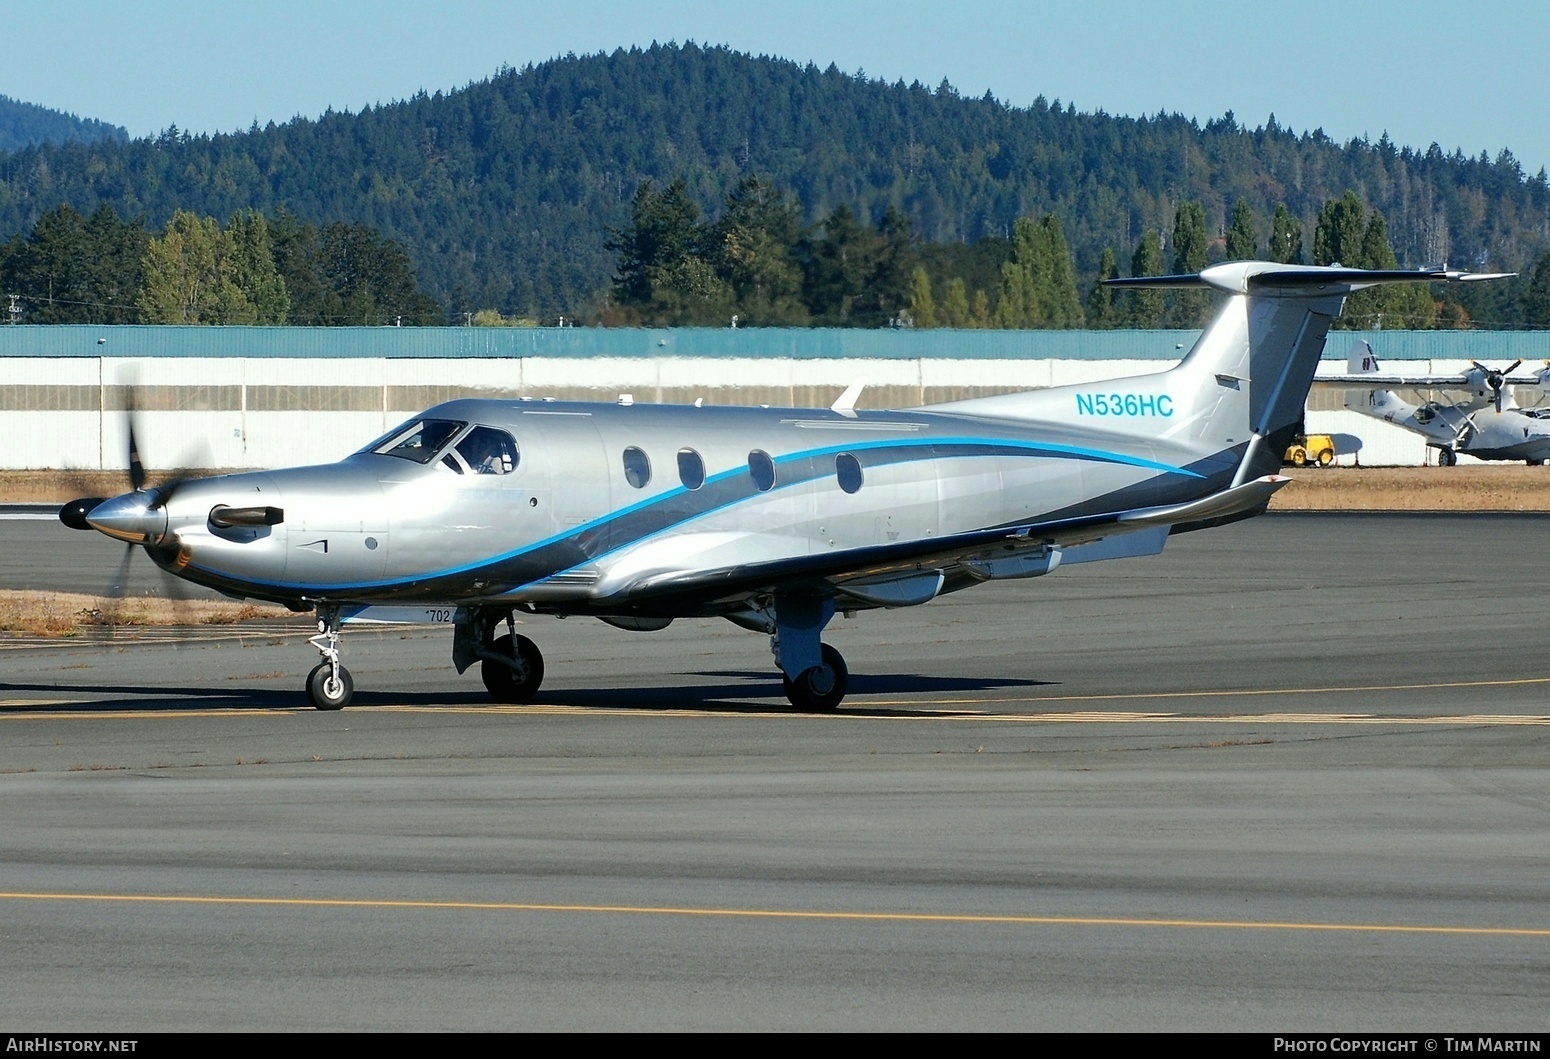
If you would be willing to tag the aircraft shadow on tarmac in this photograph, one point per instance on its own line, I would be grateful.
(738, 691)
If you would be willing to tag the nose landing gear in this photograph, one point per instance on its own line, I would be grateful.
(329, 685)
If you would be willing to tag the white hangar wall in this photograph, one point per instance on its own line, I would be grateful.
(238, 413)
(264, 397)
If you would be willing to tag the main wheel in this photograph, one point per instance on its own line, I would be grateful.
(325, 691)
(823, 686)
(1446, 458)
(513, 684)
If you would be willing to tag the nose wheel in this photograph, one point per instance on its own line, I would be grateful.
(329, 685)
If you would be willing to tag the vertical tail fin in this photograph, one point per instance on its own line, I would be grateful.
(1237, 398)
(1361, 360)
(1271, 334)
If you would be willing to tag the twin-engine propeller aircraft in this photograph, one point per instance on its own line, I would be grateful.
(1485, 422)
(771, 518)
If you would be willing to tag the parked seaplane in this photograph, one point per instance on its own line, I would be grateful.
(774, 519)
(1484, 420)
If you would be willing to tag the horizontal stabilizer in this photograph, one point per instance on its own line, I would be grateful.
(1263, 277)
(1240, 499)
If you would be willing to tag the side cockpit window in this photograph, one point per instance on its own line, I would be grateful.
(484, 450)
(419, 441)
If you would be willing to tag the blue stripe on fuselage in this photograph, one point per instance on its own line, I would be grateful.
(714, 496)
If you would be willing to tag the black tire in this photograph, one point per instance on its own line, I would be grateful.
(508, 684)
(1326, 458)
(821, 688)
(322, 690)
(1446, 458)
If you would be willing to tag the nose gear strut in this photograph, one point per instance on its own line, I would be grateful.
(329, 685)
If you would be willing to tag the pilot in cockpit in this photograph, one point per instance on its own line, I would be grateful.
(485, 453)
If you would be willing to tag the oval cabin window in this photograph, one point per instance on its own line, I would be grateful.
(762, 469)
(691, 469)
(848, 470)
(637, 467)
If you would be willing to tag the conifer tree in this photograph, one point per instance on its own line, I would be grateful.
(1241, 244)
(1062, 306)
(1190, 306)
(922, 307)
(253, 268)
(955, 305)
(1285, 237)
(1101, 310)
(1144, 306)
(1337, 237)
(1536, 298)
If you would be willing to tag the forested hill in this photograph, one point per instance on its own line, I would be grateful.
(504, 191)
(24, 124)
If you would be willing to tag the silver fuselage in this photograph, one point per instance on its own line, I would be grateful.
(566, 530)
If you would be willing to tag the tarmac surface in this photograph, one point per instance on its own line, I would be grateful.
(1291, 775)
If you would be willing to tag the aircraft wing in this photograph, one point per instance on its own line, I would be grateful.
(913, 572)
(1387, 381)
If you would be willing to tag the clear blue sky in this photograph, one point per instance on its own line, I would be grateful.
(1470, 75)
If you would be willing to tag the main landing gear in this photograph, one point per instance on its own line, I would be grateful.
(515, 670)
(819, 688)
(813, 674)
(510, 665)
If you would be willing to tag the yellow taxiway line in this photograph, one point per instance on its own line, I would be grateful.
(791, 914)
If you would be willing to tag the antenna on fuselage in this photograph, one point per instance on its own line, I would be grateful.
(846, 405)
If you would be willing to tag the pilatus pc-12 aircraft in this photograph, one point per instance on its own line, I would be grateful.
(1483, 420)
(771, 518)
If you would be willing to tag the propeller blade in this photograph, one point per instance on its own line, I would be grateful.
(108, 619)
(136, 467)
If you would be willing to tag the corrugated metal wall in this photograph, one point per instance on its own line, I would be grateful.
(501, 343)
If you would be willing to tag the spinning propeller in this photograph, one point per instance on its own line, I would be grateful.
(1496, 380)
(138, 517)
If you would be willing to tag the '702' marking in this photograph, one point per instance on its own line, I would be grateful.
(1124, 404)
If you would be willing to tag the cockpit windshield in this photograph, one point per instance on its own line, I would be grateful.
(419, 441)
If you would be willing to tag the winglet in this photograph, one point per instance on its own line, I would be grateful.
(846, 405)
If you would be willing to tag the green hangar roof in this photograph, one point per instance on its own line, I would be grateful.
(79, 340)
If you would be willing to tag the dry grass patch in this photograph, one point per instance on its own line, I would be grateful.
(61, 486)
(69, 614)
(1492, 487)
